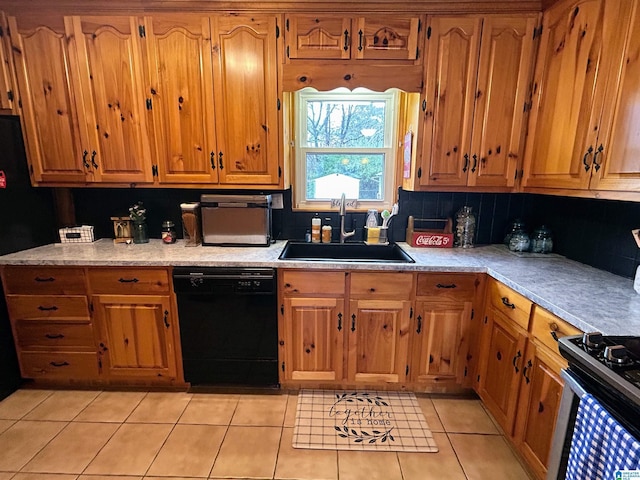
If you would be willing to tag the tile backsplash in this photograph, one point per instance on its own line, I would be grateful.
(594, 232)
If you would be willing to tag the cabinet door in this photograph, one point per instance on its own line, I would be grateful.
(441, 341)
(452, 63)
(7, 89)
(246, 96)
(136, 335)
(44, 60)
(378, 332)
(313, 338)
(180, 71)
(387, 37)
(111, 75)
(502, 364)
(617, 167)
(502, 90)
(318, 37)
(538, 406)
(568, 95)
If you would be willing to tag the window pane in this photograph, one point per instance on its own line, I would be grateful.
(357, 175)
(344, 124)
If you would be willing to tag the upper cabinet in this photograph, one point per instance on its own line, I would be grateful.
(180, 74)
(111, 81)
(176, 100)
(375, 51)
(7, 89)
(246, 97)
(322, 36)
(44, 62)
(584, 122)
(477, 78)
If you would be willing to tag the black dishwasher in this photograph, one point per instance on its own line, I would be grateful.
(228, 325)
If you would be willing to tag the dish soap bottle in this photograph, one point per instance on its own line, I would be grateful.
(315, 229)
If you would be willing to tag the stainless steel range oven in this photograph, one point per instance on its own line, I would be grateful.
(608, 368)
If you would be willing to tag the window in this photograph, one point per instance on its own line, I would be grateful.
(345, 144)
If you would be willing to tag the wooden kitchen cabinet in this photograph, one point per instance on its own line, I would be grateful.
(137, 323)
(311, 326)
(339, 37)
(7, 88)
(379, 318)
(246, 99)
(540, 389)
(477, 75)
(444, 353)
(136, 333)
(180, 72)
(112, 98)
(51, 322)
(583, 119)
(48, 91)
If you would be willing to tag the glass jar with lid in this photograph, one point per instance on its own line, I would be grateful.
(465, 227)
(514, 227)
(168, 232)
(542, 241)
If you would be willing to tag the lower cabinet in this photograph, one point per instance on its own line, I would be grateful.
(136, 335)
(519, 377)
(444, 353)
(78, 325)
(387, 329)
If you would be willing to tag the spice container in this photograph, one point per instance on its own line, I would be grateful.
(168, 232)
(326, 234)
(315, 229)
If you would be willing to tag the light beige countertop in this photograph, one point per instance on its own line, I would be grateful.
(588, 298)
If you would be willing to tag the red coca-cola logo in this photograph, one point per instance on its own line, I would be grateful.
(432, 240)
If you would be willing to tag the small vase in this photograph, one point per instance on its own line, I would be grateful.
(140, 234)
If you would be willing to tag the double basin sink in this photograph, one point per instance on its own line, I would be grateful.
(344, 252)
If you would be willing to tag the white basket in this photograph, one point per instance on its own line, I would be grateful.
(83, 234)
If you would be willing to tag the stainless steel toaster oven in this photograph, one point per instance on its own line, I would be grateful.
(236, 219)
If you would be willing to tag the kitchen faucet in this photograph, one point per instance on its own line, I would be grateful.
(343, 234)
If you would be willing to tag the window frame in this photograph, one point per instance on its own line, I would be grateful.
(301, 97)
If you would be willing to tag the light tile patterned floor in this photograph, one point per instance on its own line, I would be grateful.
(91, 435)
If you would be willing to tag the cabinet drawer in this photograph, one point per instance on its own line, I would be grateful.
(44, 280)
(59, 365)
(388, 285)
(510, 303)
(544, 325)
(128, 280)
(48, 307)
(316, 283)
(54, 335)
(459, 286)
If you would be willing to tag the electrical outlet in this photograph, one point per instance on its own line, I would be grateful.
(636, 236)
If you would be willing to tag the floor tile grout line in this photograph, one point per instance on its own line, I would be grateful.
(155, 457)
(51, 392)
(456, 454)
(43, 447)
(223, 439)
(101, 448)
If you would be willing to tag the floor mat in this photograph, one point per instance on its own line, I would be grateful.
(347, 420)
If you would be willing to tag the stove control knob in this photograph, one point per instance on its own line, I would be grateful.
(616, 354)
(592, 340)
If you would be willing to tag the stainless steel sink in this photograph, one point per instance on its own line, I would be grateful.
(344, 252)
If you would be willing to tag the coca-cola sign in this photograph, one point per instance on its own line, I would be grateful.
(432, 240)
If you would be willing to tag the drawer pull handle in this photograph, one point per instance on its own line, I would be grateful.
(448, 285)
(515, 360)
(339, 321)
(353, 322)
(128, 280)
(48, 279)
(524, 371)
(54, 336)
(59, 364)
(505, 301)
(166, 316)
(47, 309)
(419, 329)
